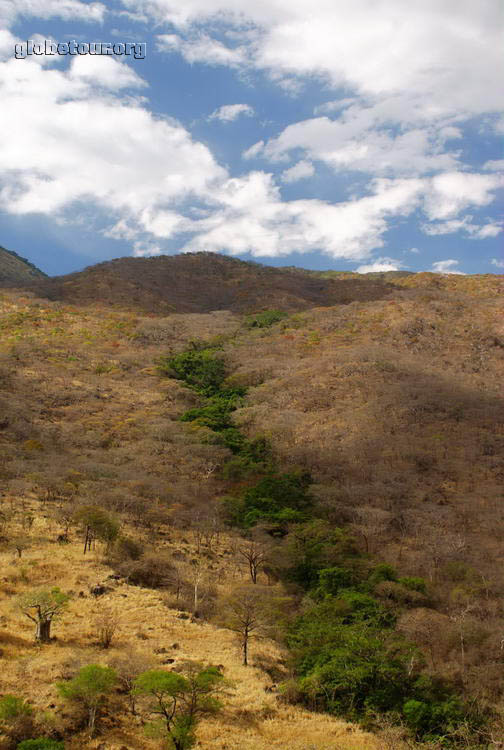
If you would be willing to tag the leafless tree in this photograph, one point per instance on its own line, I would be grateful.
(255, 555)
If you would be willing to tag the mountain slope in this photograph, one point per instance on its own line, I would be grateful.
(17, 271)
(203, 282)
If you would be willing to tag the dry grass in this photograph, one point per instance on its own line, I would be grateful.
(252, 718)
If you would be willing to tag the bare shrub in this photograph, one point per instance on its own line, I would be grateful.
(106, 624)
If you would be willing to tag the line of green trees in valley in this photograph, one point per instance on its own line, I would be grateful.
(348, 656)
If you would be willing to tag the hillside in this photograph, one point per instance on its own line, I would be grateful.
(16, 271)
(202, 282)
(392, 403)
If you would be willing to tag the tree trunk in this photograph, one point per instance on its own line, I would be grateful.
(92, 719)
(245, 650)
(43, 632)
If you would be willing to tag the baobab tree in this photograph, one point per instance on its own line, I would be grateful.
(42, 607)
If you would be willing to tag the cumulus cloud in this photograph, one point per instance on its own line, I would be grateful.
(251, 217)
(443, 56)
(380, 265)
(447, 267)
(104, 71)
(254, 151)
(355, 142)
(85, 137)
(452, 192)
(230, 112)
(497, 263)
(472, 230)
(494, 165)
(76, 142)
(10, 10)
(299, 171)
(203, 49)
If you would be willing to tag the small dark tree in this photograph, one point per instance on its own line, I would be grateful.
(255, 555)
(42, 607)
(89, 688)
(179, 701)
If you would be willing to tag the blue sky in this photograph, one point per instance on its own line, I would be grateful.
(318, 133)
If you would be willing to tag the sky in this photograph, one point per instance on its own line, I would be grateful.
(360, 136)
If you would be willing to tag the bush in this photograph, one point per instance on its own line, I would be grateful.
(414, 584)
(331, 580)
(128, 548)
(153, 570)
(265, 319)
(382, 572)
(16, 717)
(202, 370)
(12, 707)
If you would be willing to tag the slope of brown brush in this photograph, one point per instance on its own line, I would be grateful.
(202, 282)
(394, 404)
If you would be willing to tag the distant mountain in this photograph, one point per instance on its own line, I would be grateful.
(203, 282)
(17, 271)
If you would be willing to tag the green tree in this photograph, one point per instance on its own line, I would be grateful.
(179, 700)
(96, 524)
(203, 370)
(89, 688)
(42, 606)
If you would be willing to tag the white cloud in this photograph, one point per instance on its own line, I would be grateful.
(443, 56)
(10, 10)
(72, 143)
(203, 49)
(299, 171)
(447, 267)
(104, 71)
(494, 165)
(253, 151)
(414, 250)
(336, 105)
(380, 265)
(251, 217)
(230, 112)
(410, 82)
(498, 263)
(453, 192)
(77, 145)
(361, 140)
(474, 231)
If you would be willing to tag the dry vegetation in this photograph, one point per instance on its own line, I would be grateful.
(392, 402)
